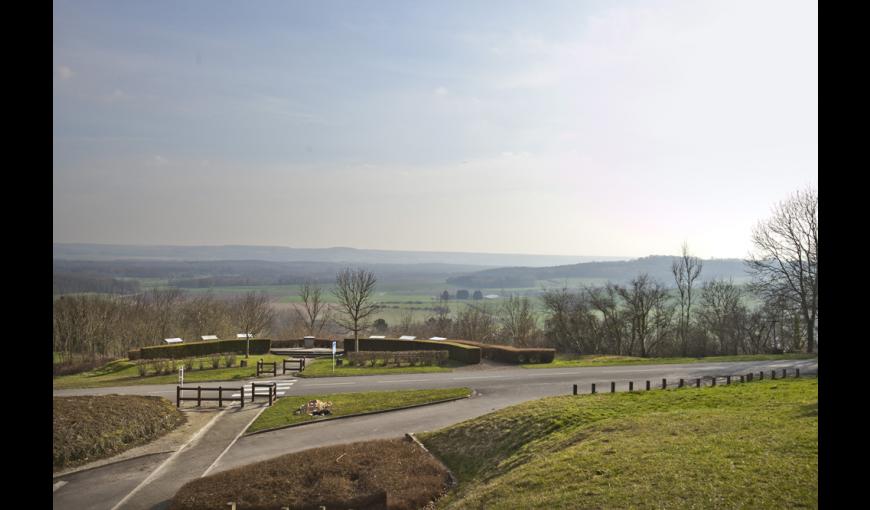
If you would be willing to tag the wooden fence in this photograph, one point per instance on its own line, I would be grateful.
(272, 391)
(261, 368)
(698, 381)
(200, 399)
(300, 364)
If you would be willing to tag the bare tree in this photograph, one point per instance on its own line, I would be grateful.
(641, 296)
(685, 269)
(316, 311)
(786, 258)
(720, 312)
(605, 301)
(476, 323)
(252, 313)
(354, 289)
(518, 320)
(203, 315)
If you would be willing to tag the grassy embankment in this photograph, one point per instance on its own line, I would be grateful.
(281, 414)
(739, 446)
(391, 473)
(124, 372)
(323, 368)
(600, 360)
(96, 427)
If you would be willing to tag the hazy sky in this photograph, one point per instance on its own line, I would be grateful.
(573, 128)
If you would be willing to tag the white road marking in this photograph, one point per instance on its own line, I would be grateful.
(233, 442)
(154, 473)
(58, 485)
(405, 380)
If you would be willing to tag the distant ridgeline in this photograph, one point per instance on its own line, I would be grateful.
(657, 266)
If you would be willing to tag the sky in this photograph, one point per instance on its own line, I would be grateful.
(566, 128)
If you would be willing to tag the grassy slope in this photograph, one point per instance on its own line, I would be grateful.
(599, 360)
(124, 373)
(281, 413)
(323, 368)
(89, 428)
(751, 445)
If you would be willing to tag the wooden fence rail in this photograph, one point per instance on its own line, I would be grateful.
(199, 399)
(300, 364)
(698, 381)
(272, 388)
(261, 368)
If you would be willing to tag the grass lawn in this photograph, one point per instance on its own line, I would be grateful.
(281, 413)
(600, 360)
(752, 445)
(323, 368)
(89, 428)
(124, 373)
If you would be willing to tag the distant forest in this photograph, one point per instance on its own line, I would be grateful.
(73, 283)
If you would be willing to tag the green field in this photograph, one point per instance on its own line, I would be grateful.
(752, 445)
(123, 372)
(323, 368)
(600, 360)
(282, 413)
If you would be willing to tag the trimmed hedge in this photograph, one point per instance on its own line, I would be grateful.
(458, 352)
(299, 342)
(194, 349)
(398, 357)
(134, 354)
(509, 354)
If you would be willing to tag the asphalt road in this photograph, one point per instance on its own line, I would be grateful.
(496, 386)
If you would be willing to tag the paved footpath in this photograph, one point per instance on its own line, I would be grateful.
(155, 479)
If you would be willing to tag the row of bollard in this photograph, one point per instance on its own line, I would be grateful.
(747, 378)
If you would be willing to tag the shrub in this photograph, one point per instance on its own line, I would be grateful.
(142, 368)
(231, 360)
(200, 364)
(215, 360)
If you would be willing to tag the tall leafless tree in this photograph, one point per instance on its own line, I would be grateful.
(315, 311)
(685, 269)
(518, 320)
(641, 297)
(720, 313)
(252, 313)
(786, 258)
(354, 289)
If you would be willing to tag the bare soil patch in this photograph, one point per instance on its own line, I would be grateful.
(393, 474)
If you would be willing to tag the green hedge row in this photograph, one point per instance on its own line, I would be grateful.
(258, 346)
(458, 352)
(299, 342)
(509, 354)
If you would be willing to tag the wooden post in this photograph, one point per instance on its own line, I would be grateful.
(575, 389)
(242, 393)
(664, 384)
(612, 387)
(630, 385)
(178, 396)
(198, 396)
(272, 394)
(727, 379)
(761, 375)
(593, 387)
(797, 373)
(647, 386)
(784, 373)
(698, 382)
(681, 383)
(714, 381)
(773, 374)
(220, 396)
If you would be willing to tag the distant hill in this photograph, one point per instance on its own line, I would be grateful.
(339, 255)
(657, 266)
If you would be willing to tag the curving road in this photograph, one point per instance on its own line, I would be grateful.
(496, 386)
